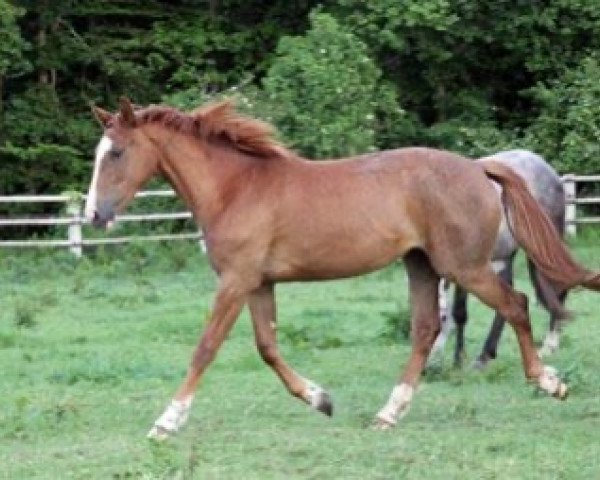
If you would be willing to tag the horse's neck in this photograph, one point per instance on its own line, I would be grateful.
(201, 175)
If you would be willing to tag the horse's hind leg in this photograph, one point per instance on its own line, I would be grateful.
(554, 304)
(261, 303)
(512, 306)
(557, 320)
(423, 281)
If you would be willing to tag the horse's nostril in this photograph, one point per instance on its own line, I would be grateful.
(96, 220)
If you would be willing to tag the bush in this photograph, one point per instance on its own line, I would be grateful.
(474, 139)
(322, 91)
(567, 129)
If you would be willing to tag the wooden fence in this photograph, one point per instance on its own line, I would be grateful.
(74, 220)
(572, 214)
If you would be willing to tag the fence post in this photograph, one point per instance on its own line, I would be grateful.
(201, 241)
(570, 204)
(75, 234)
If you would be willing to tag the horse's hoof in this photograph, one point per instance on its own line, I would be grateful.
(550, 382)
(323, 404)
(380, 424)
(480, 363)
(318, 398)
(562, 392)
(158, 433)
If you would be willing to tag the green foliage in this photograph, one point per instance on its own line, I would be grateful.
(470, 63)
(323, 90)
(567, 129)
(201, 51)
(474, 138)
(26, 169)
(57, 57)
(12, 44)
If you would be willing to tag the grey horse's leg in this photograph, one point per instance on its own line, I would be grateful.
(553, 302)
(459, 314)
(447, 325)
(490, 347)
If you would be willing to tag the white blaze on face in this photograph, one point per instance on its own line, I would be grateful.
(103, 147)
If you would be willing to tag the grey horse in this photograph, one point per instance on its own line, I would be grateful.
(546, 186)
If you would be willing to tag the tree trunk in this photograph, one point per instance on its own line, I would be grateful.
(41, 41)
(441, 103)
(53, 29)
(212, 7)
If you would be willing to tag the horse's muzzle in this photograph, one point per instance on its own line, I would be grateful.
(102, 221)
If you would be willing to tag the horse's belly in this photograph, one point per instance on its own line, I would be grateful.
(335, 259)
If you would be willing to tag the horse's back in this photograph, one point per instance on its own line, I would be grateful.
(344, 217)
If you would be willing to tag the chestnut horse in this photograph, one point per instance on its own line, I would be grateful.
(270, 216)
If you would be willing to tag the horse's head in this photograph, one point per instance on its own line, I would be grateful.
(126, 159)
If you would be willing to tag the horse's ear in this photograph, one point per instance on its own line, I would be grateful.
(126, 111)
(102, 115)
(215, 110)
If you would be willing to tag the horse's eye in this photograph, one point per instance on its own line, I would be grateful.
(116, 153)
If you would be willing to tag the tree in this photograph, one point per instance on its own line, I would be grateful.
(466, 67)
(322, 90)
(567, 129)
(12, 46)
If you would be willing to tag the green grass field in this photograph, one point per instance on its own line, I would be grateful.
(91, 352)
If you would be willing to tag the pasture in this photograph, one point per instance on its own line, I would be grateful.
(92, 350)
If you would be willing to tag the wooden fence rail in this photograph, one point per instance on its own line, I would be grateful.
(74, 219)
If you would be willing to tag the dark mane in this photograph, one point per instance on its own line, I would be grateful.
(218, 121)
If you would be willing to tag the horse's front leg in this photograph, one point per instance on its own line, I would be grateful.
(263, 311)
(423, 283)
(230, 299)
